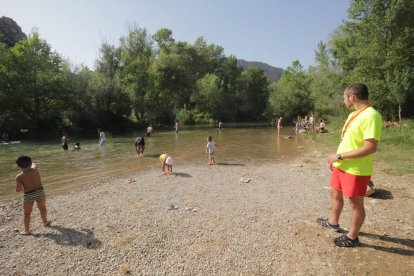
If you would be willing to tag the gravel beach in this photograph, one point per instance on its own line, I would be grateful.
(234, 218)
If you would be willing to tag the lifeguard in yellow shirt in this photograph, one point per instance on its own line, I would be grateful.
(353, 163)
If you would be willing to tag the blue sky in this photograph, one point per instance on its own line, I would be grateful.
(275, 32)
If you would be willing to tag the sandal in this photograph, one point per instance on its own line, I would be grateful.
(325, 223)
(345, 241)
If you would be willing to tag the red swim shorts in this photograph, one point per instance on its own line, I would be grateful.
(350, 185)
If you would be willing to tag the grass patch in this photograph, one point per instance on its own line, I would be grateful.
(127, 238)
(140, 205)
(406, 194)
(396, 159)
(308, 161)
(394, 152)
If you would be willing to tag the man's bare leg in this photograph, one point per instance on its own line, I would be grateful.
(358, 216)
(337, 202)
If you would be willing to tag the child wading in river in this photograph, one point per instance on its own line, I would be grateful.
(210, 150)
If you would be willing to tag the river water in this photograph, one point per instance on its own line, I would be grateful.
(64, 170)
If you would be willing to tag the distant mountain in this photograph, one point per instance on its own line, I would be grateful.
(10, 32)
(272, 73)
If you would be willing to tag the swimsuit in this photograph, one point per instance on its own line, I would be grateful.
(140, 142)
(169, 161)
(33, 195)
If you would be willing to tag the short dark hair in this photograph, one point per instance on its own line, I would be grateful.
(360, 90)
(210, 138)
(24, 161)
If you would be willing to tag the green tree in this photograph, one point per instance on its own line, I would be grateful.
(208, 97)
(32, 94)
(252, 95)
(326, 84)
(373, 45)
(136, 54)
(111, 104)
(229, 75)
(164, 39)
(291, 95)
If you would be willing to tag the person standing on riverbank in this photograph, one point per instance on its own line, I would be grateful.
(311, 122)
(29, 182)
(352, 164)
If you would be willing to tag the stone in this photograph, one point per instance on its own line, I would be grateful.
(10, 32)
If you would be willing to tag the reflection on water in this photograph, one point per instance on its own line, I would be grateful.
(62, 170)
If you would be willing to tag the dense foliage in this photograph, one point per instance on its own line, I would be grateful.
(156, 79)
(145, 79)
(375, 45)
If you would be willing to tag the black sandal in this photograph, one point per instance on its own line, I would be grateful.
(345, 241)
(325, 223)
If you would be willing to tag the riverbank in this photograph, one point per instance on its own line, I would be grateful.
(205, 220)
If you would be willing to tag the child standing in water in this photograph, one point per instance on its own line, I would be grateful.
(166, 161)
(102, 138)
(210, 150)
(279, 124)
(29, 182)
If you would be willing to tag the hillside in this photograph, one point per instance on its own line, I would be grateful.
(272, 73)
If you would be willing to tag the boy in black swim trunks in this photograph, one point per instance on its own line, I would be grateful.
(29, 182)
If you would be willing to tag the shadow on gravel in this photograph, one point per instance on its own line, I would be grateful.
(395, 250)
(382, 194)
(72, 237)
(228, 164)
(182, 174)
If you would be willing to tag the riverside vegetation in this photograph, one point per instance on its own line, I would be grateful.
(152, 78)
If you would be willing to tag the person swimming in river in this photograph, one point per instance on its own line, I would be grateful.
(77, 146)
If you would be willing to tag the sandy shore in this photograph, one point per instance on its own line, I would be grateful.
(221, 225)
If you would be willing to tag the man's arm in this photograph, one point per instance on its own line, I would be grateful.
(369, 147)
